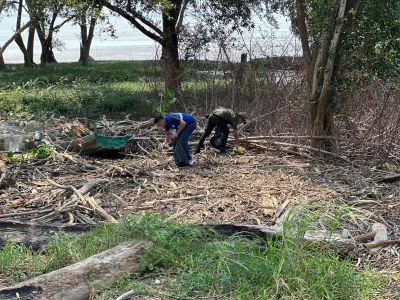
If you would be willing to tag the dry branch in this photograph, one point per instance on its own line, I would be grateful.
(364, 237)
(381, 244)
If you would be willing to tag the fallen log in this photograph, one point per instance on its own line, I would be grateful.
(287, 137)
(332, 240)
(364, 237)
(77, 281)
(127, 295)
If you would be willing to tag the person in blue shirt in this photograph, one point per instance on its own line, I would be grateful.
(183, 124)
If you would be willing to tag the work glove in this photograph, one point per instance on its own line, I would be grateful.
(240, 150)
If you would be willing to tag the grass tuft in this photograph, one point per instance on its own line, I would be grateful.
(204, 263)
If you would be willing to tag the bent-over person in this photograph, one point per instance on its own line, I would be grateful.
(183, 124)
(220, 118)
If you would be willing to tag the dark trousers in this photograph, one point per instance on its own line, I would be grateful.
(221, 125)
(184, 136)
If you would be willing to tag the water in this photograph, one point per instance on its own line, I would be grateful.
(131, 44)
(12, 143)
(17, 137)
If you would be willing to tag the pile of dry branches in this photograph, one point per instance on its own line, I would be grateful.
(260, 187)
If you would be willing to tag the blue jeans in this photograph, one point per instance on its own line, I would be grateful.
(184, 136)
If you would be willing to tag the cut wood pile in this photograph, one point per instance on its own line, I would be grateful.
(258, 188)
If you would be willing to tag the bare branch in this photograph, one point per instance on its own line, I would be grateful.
(18, 32)
(135, 22)
(142, 19)
(63, 23)
(181, 15)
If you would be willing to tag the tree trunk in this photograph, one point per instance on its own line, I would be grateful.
(2, 63)
(171, 49)
(21, 45)
(86, 40)
(19, 40)
(82, 47)
(47, 55)
(31, 41)
(77, 281)
(319, 66)
(323, 123)
(10, 40)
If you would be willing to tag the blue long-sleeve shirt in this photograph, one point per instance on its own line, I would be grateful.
(173, 120)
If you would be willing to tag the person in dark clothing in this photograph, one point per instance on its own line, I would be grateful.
(220, 118)
(183, 124)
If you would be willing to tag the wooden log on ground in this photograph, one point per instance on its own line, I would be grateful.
(77, 281)
(332, 240)
(364, 237)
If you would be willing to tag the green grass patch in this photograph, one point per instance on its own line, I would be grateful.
(113, 88)
(203, 263)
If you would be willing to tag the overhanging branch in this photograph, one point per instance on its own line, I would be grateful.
(142, 19)
(134, 21)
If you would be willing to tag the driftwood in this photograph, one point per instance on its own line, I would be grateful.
(35, 235)
(127, 295)
(76, 282)
(332, 240)
(364, 237)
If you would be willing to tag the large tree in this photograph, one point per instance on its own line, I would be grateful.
(339, 37)
(86, 15)
(8, 6)
(46, 14)
(147, 16)
(163, 21)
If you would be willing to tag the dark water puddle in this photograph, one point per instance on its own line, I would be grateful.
(13, 142)
(17, 137)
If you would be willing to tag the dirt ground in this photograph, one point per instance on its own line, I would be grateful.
(258, 187)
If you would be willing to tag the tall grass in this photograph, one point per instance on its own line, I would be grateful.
(205, 263)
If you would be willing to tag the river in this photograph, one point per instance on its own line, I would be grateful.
(131, 44)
